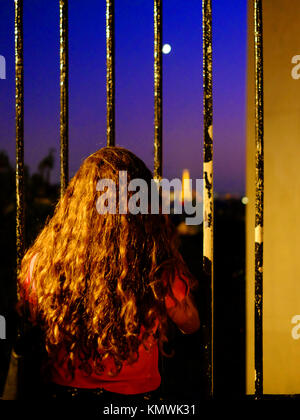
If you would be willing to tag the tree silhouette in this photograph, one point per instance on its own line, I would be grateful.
(46, 165)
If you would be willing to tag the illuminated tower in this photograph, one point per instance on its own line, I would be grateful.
(187, 193)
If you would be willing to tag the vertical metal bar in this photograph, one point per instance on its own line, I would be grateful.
(157, 17)
(208, 198)
(259, 138)
(64, 96)
(110, 72)
(20, 212)
(157, 89)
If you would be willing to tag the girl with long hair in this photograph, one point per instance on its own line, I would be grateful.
(102, 287)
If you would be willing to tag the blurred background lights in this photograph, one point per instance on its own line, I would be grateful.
(245, 200)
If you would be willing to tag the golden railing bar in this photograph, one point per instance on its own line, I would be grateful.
(157, 89)
(19, 80)
(64, 96)
(110, 72)
(208, 196)
(259, 198)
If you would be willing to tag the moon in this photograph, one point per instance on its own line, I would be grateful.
(166, 49)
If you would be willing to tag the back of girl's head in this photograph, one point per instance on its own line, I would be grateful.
(97, 277)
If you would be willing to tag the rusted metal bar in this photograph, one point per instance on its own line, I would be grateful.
(110, 71)
(64, 96)
(158, 89)
(20, 210)
(259, 209)
(208, 197)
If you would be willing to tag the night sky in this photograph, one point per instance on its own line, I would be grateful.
(182, 78)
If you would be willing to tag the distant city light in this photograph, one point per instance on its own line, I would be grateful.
(187, 193)
(245, 200)
(166, 49)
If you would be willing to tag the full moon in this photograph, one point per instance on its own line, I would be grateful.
(166, 49)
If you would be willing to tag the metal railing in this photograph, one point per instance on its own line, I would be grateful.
(259, 197)
(64, 95)
(19, 94)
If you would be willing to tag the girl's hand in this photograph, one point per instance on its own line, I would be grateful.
(185, 315)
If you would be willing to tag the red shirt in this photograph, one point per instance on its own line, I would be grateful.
(139, 377)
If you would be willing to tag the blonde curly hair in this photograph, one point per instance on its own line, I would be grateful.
(98, 277)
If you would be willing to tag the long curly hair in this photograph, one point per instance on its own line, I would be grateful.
(98, 277)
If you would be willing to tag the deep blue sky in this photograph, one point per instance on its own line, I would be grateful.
(182, 77)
